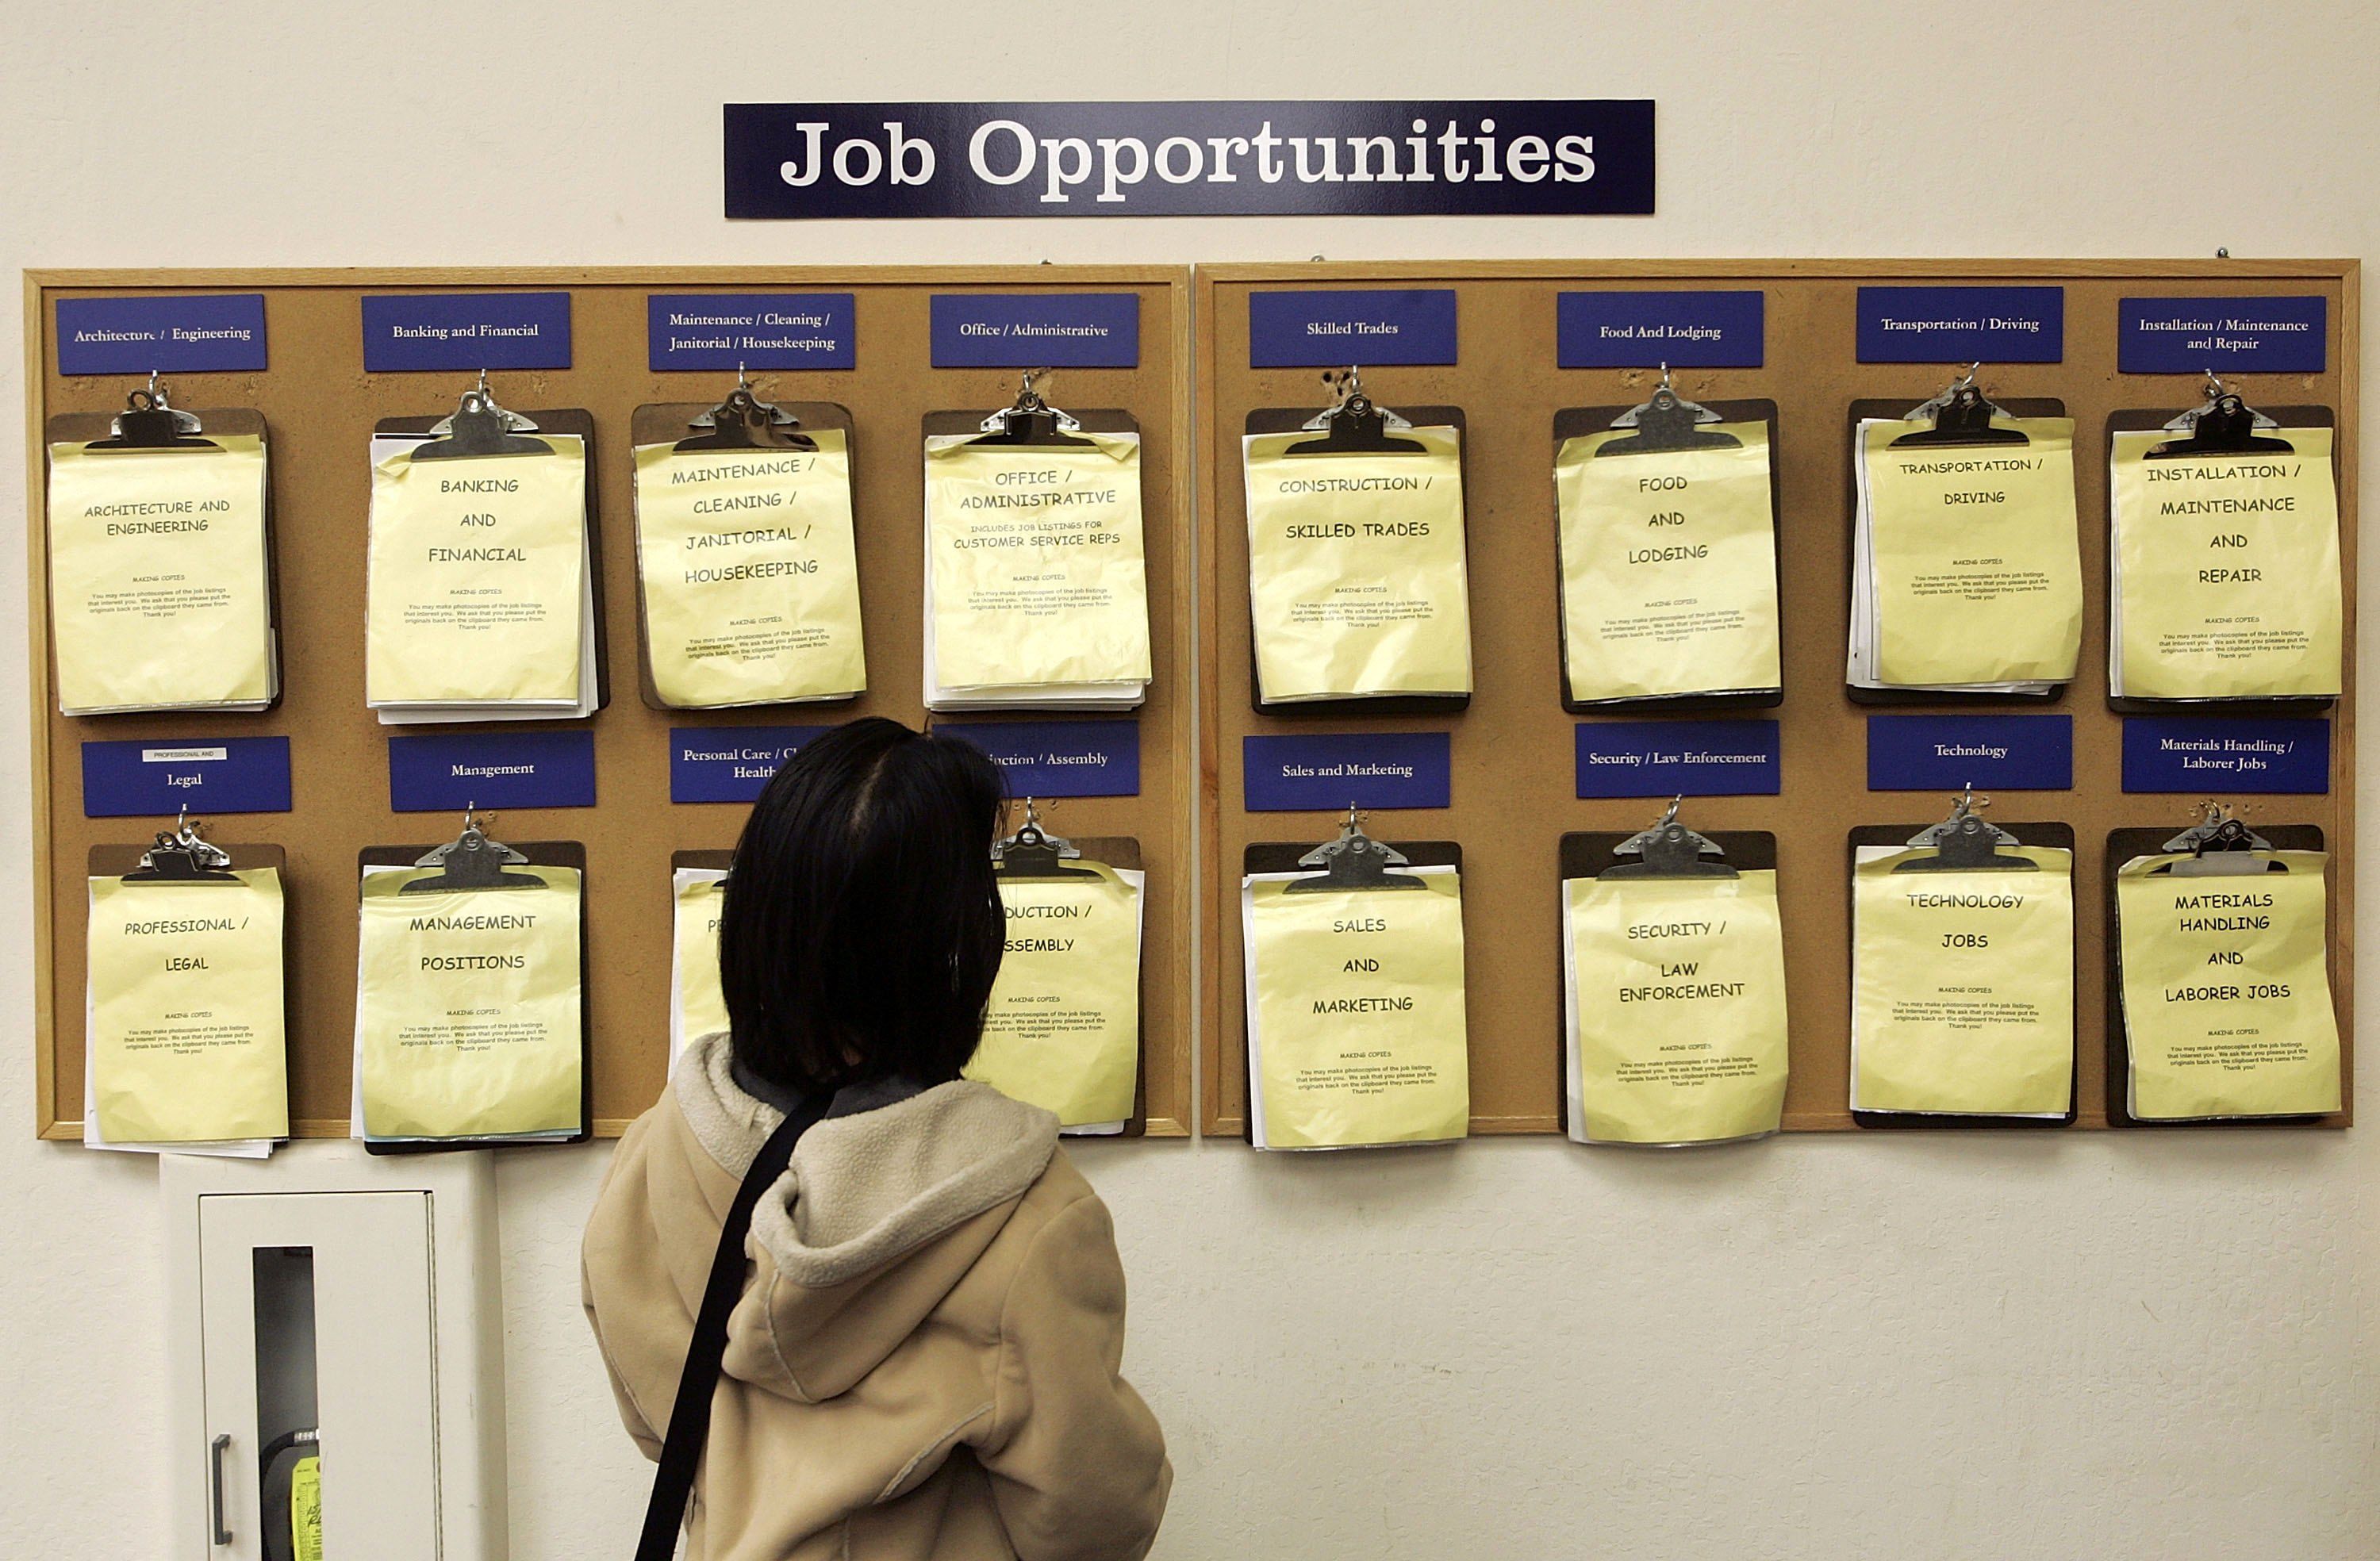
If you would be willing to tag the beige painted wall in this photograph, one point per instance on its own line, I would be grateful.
(1880, 1346)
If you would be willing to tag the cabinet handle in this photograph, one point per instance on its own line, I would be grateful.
(215, 1505)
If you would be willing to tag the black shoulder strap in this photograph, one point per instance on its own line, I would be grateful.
(689, 1420)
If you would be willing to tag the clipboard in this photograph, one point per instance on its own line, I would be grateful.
(2123, 846)
(536, 854)
(1294, 419)
(87, 428)
(562, 420)
(675, 422)
(2059, 836)
(1896, 408)
(1590, 855)
(1114, 851)
(2139, 421)
(1577, 422)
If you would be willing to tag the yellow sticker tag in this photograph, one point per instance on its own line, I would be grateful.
(1669, 567)
(1356, 572)
(158, 590)
(186, 1011)
(467, 1021)
(2226, 990)
(1035, 552)
(1677, 1009)
(698, 1006)
(1356, 1027)
(2227, 571)
(1962, 985)
(1062, 1029)
(750, 580)
(1978, 564)
(305, 1509)
(478, 568)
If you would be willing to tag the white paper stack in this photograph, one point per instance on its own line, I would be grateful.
(694, 998)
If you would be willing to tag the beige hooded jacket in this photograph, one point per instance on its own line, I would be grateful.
(923, 1365)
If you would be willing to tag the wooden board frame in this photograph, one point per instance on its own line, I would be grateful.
(320, 405)
(1513, 791)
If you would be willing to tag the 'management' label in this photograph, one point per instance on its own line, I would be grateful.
(728, 330)
(1961, 325)
(448, 771)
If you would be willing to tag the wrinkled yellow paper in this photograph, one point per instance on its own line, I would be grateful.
(1963, 986)
(2227, 583)
(1062, 1029)
(1038, 572)
(1358, 1034)
(186, 1013)
(1978, 566)
(467, 1015)
(2226, 993)
(698, 1007)
(159, 595)
(1357, 572)
(1677, 1008)
(477, 567)
(1669, 567)
(750, 581)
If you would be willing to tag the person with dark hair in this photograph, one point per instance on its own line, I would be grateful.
(921, 1359)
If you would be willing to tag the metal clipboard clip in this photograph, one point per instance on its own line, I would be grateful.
(472, 861)
(1670, 850)
(1354, 861)
(1353, 424)
(479, 427)
(180, 855)
(1667, 421)
(1030, 420)
(150, 422)
(2224, 425)
(744, 421)
(1965, 843)
(1961, 415)
(2221, 846)
(1034, 853)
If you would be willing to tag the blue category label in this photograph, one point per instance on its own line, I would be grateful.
(1667, 759)
(2202, 754)
(1309, 329)
(1943, 752)
(726, 331)
(730, 763)
(1033, 330)
(1961, 325)
(2283, 336)
(1058, 758)
(207, 775)
(466, 331)
(448, 771)
(1709, 330)
(190, 333)
(1323, 773)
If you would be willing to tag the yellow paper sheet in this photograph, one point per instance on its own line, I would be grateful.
(751, 585)
(1668, 565)
(1038, 572)
(468, 1020)
(1062, 1029)
(1978, 570)
(1358, 1013)
(2227, 571)
(187, 1010)
(1356, 573)
(694, 971)
(1677, 1008)
(1963, 986)
(477, 570)
(2226, 993)
(159, 595)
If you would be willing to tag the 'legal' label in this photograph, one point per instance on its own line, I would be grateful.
(150, 776)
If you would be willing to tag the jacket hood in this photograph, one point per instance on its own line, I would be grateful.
(876, 1219)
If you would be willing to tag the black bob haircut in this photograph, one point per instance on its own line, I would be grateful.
(862, 925)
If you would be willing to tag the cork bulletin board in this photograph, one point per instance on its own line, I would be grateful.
(320, 405)
(1513, 785)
